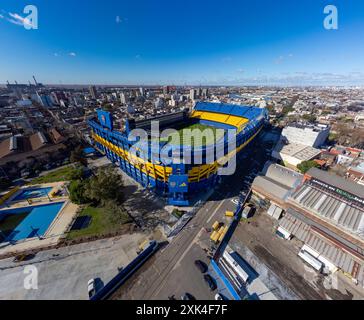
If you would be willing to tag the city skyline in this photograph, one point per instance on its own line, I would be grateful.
(191, 44)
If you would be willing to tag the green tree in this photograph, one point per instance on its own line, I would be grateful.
(307, 165)
(77, 192)
(309, 117)
(77, 155)
(116, 213)
(76, 173)
(104, 186)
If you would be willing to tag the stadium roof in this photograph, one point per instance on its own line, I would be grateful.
(232, 109)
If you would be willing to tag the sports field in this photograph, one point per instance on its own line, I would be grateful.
(196, 135)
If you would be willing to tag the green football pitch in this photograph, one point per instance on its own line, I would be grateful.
(195, 135)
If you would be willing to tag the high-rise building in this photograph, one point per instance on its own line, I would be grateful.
(192, 94)
(123, 98)
(57, 96)
(198, 92)
(93, 92)
(165, 90)
(205, 93)
(44, 100)
(159, 103)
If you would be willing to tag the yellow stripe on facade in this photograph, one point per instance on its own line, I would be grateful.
(162, 173)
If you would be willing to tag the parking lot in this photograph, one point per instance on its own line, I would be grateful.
(64, 273)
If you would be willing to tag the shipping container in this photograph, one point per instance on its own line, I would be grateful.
(216, 225)
(213, 235)
(229, 214)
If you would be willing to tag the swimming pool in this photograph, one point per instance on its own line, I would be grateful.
(30, 193)
(29, 222)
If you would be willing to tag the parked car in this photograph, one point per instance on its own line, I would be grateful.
(201, 266)
(220, 297)
(210, 282)
(94, 286)
(187, 296)
(91, 288)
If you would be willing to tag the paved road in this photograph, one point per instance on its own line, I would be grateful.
(172, 270)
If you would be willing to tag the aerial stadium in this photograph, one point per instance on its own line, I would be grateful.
(179, 181)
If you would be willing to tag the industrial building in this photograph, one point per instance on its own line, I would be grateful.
(324, 211)
(307, 135)
(275, 184)
(293, 154)
(178, 181)
(331, 210)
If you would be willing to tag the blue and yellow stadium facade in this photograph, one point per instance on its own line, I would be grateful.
(179, 182)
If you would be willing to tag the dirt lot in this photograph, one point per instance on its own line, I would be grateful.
(280, 256)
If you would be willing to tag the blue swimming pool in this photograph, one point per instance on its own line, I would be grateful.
(33, 222)
(31, 193)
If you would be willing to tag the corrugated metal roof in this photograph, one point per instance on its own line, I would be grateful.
(336, 181)
(283, 175)
(270, 187)
(330, 208)
(331, 252)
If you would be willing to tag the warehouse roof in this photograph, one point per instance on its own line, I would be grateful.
(329, 249)
(330, 208)
(338, 182)
(282, 175)
(278, 181)
(271, 187)
(296, 150)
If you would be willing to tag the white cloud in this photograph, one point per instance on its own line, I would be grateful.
(293, 78)
(72, 54)
(118, 19)
(56, 54)
(15, 18)
(18, 19)
(240, 70)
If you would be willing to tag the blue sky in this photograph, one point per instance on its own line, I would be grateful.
(183, 42)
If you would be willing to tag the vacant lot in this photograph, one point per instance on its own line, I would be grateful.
(64, 174)
(100, 224)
